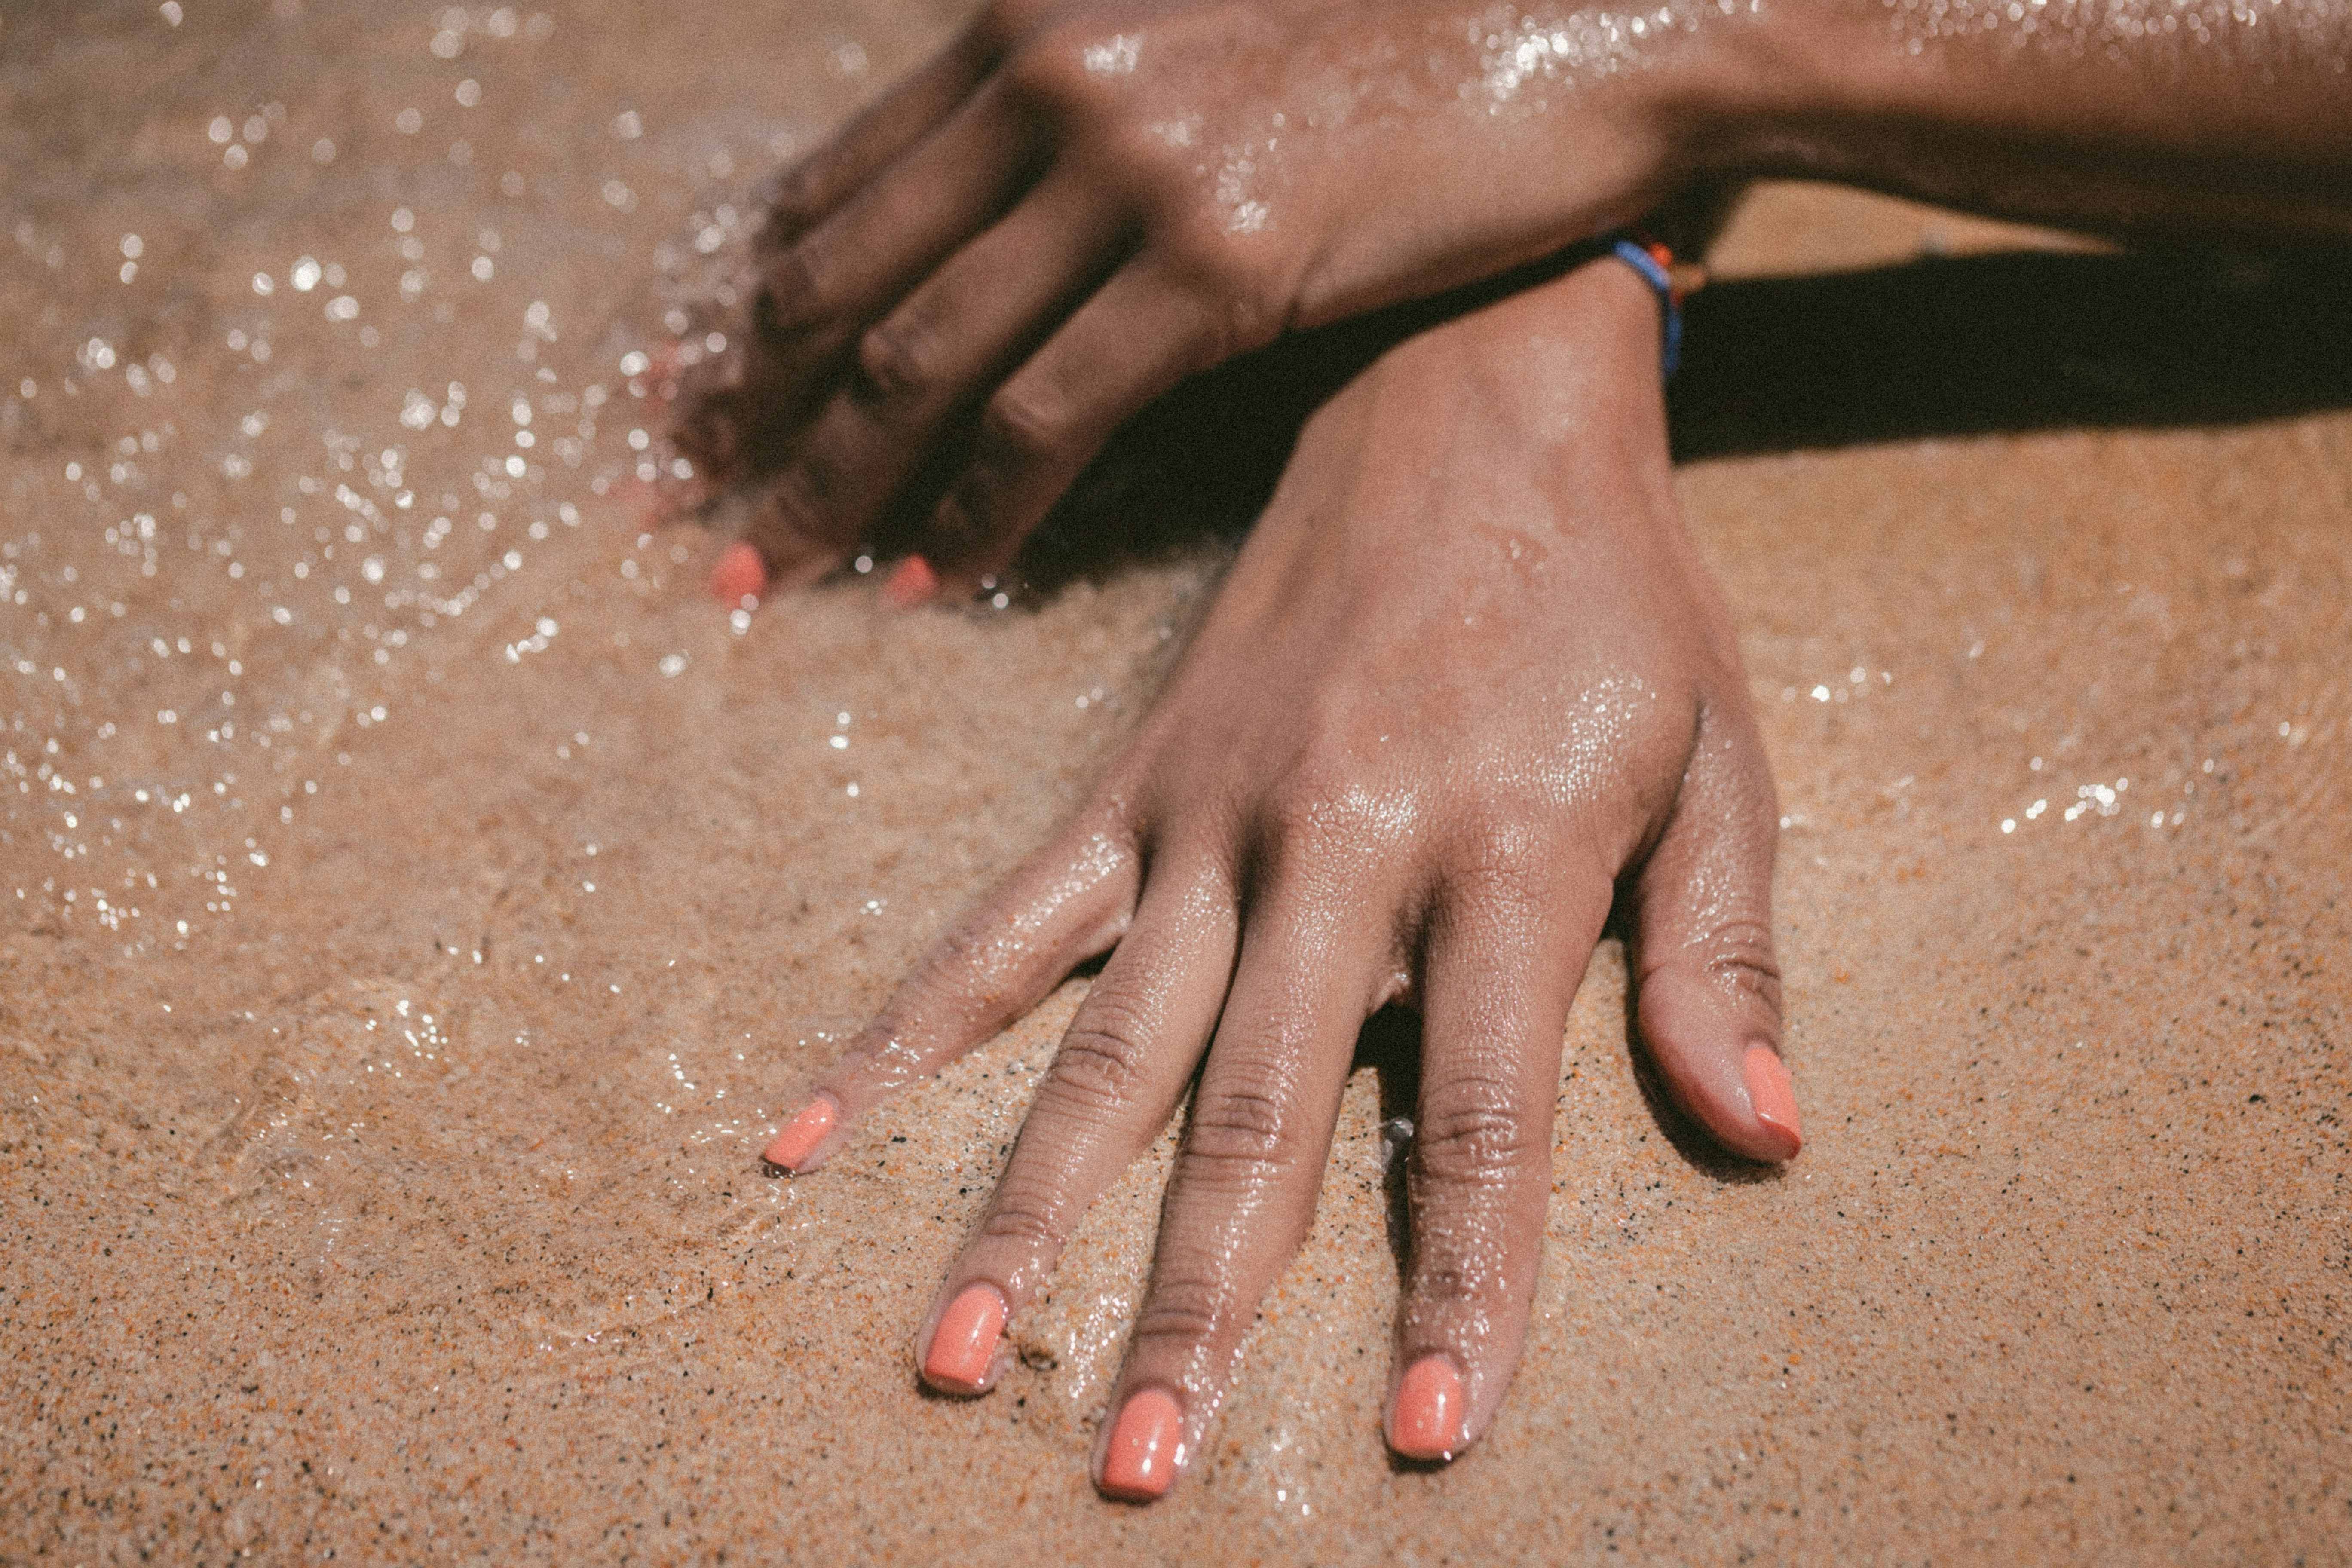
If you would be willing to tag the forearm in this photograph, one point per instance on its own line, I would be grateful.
(2130, 115)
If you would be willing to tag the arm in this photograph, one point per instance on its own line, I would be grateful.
(1074, 209)
(2136, 116)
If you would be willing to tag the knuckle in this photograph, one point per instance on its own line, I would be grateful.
(1186, 1308)
(1100, 1065)
(1025, 1216)
(1236, 1131)
(796, 283)
(964, 957)
(1500, 848)
(1024, 427)
(1467, 1138)
(1049, 66)
(1740, 955)
(1321, 815)
(901, 360)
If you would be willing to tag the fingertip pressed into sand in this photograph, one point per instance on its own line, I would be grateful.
(1146, 1447)
(738, 574)
(798, 1139)
(911, 584)
(1774, 1095)
(1427, 1423)
(963, 1347)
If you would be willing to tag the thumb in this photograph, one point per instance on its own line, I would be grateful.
(1708, 996)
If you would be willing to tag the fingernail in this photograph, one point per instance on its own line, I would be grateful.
(963, 1346)
(739, 575)
(1146, 1447)
(792, 1147)
(1428, 1421)
(1772, 1094)
(912, 583)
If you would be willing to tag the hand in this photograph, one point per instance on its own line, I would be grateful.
(1075, 207)
(1466, 685)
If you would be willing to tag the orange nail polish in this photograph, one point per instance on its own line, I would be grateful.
(1428, 1420)
(1773, 1095)
(964, 1344)
(1146, 1447)
(912, 583)
(792, 1147)
(739, 575)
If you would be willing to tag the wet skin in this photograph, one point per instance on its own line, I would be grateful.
(1466, 685)
(1466, 681)
(1076, 206)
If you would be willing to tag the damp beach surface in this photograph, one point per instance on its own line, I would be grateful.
(418, 903)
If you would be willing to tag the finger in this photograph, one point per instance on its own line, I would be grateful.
(817, 293)
(1246, 1181)
(924, 363)
(1498, 978)
(1066, 903)
(1133, 341)
(870, 250)
(1122, 1066)
(874, 137)
(1709, 996)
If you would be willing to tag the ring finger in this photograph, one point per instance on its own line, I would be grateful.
(1122, 1066)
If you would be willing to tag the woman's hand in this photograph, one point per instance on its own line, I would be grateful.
(1466, 685)
(1076, 206)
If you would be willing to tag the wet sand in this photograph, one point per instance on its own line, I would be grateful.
(410, 931)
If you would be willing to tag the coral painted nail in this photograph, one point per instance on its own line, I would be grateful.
(963, 1346)
(1772, 1094)
(1428, 1420)
(1146, 1447)
(739, 575)
(912, 583)
(792, 1147)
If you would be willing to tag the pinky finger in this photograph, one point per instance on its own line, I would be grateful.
(1067, 903)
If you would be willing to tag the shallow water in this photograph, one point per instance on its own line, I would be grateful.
(419, 902)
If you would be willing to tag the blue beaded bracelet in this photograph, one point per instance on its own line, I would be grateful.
(1653, 262)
